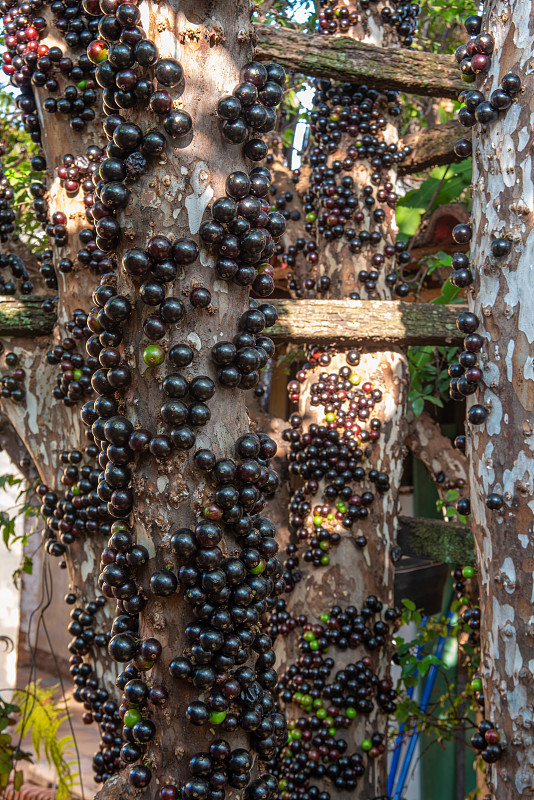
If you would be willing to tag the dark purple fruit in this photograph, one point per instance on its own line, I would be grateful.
(501, 247)
(169, 72)
(163, 583)
(511, 83)
(178, 123)
(477, 415)
(494, 501)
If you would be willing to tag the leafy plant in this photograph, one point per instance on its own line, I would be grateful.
(445, 184)
(441, 24)
(9, 516)
(447, 505)
(10, 752)
(429, 377)
(428, 365)
(42, 716)
(449, 715)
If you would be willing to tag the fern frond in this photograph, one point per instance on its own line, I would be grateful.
(43, 716)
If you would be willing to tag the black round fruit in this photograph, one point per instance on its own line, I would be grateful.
(178, 123)
(169, 72)
(163, 583)
(501, 247)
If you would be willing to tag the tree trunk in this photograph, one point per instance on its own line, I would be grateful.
(358, 563)
(212, 41)
(501, 451)
(46, 426)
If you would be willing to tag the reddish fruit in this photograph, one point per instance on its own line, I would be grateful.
(492, 736)
(97, 51)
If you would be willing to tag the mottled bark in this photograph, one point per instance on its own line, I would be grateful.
(276, 508)
(353, 573)
(13, 445)
(345, 59)
(212, 41)
(501, 451)
(20, 249)
(46, 426)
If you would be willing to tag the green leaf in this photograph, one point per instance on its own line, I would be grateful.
(287, 138)
(43, 716)
(449, 293)
(18, 780)
(412, 206)
(418, 406)
(437, 401)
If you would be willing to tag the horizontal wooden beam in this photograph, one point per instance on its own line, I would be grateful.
(24, 316)
(300, 321)
(434, 540)
(344, 59)
(432, 147)
(370, 322)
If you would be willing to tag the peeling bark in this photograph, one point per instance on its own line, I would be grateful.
(46, 426)
(353, 573)
(501, 451)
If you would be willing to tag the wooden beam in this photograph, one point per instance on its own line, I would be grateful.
(370, 322)
(434, 540)
(24, 316)
(344, 59)
(432, 147)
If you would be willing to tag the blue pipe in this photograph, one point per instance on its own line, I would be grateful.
(423, 705)
(400, 736)
(395, 760)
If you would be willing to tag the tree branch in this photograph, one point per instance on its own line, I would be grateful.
(442, 460)
(370, 322)
(18, 453)
(432, 147)
(24, 316)
(344, 59)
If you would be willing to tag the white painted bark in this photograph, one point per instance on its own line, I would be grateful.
(501, 452)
